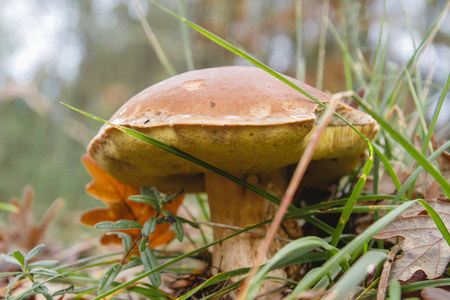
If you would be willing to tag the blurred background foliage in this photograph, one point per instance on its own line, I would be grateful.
(95, 55)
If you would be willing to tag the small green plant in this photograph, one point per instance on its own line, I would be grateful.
(149, 196)
(30, 270)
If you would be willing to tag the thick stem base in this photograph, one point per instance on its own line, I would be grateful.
(232, 204)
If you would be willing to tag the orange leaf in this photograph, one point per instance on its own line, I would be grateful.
(104, 186)
(115, 194)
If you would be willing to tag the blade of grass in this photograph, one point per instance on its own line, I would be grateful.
(353, 277)
(389, 168)
(419, 106)
(349, 63)
(436, 112)
(437, 220)
(351, 202)
(322, 42)
(153, 40)
(300, 59)
(187, 46)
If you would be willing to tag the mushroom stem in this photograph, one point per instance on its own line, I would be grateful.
(232, 204)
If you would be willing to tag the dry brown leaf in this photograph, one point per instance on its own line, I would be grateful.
(22, 232)
(115, 194)
(424, 247)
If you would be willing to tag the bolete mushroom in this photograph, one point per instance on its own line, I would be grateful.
(241, 120)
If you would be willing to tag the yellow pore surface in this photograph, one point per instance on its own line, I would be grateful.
(235, 149)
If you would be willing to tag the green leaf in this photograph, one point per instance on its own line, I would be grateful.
(149, 227)
(177, 226)
(10, 259)
(44, 263)
(126, 239)
(44, 271)
(150, 262)
(121, 224)
(20, 258)
(34, 252)
(146, 191)
(108, 278)
(145, 199)
(73, 290)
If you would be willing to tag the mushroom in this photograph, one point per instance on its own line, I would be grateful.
(241, 120)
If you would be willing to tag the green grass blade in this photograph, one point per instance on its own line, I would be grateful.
(420, 108)
(395, 290)
(437, 220)
(437, 111)
(322, 42)
(348, 60)
(351, 202)
(300, 58)
(389, 168)
(187, 47)
(357, 273)
(153, 40)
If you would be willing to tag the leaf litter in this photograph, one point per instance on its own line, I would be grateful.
(424, 248)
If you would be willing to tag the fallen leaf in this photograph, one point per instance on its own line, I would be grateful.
(23, 233)
(115, 195)
(424, 248)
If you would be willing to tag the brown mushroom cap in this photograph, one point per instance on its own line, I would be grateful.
(239, 119)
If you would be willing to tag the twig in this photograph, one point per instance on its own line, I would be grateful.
(385, 274)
